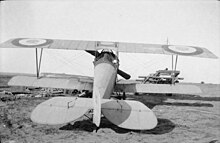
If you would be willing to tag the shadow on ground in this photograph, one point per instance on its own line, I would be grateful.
(163, 126)
(152, 100)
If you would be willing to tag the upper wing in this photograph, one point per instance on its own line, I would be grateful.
(156, 88)
(78, 83)
(166, 49)
(117, 46)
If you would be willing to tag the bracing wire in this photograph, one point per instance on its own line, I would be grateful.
(67, 62)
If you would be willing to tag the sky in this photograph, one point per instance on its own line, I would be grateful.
(193, 23)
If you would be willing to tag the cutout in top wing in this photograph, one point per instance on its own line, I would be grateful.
(117, 46)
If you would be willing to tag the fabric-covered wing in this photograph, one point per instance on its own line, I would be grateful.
(117, 46)
(157, 88)
(52, 82)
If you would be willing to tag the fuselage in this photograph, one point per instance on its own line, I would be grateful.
(105, 73)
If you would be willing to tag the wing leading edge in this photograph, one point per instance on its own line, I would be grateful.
(117, 46)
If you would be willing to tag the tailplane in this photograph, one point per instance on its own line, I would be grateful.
(129, 114)
(123, 113)
(60, 110)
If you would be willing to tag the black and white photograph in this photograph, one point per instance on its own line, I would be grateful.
(107, 71)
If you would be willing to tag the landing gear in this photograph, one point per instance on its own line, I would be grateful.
(124, 96)
(97, 128)
(118, 96)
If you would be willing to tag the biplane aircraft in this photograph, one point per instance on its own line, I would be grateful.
(127, 114)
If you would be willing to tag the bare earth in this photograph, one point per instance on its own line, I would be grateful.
(182, 118)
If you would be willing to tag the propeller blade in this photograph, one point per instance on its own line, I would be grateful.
(123, 74)
(94, 53)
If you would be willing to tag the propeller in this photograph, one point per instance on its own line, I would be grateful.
(94, 53)
(120, 72)
(123, 74)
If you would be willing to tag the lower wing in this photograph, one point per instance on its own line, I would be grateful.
(157, 88)
(68, 82)
(86, 83)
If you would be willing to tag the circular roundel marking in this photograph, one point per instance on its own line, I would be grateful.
(183, 50)
(31, 42)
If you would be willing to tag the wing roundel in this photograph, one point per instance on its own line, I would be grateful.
(183, 50)
(27, 42)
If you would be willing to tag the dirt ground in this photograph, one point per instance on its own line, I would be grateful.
(181, 118)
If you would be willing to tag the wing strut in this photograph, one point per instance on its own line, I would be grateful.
(173, 74)
(176, 62)
(173, 64)
(41, 52)
(172, 61)
(38, 63)
(172, 54)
